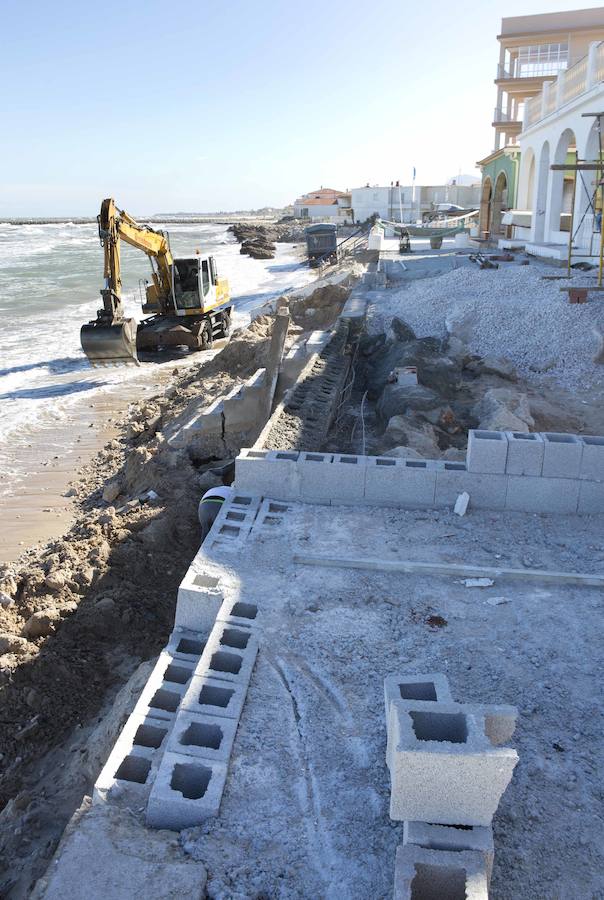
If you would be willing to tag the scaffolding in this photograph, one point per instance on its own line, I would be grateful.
(580, 166)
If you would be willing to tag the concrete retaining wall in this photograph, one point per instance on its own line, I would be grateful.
(537, 473)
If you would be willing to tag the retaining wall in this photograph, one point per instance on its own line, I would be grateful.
(537, 473)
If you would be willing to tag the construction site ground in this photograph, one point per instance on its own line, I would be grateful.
(305, 810)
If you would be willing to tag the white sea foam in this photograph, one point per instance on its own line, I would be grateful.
(50, 277)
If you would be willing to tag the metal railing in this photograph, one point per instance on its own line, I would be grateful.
(599, 68)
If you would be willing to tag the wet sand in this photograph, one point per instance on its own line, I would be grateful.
(36, 509)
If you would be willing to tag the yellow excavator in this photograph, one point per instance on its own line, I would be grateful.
(189, 303)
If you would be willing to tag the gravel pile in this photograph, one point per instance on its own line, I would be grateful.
(513, 312)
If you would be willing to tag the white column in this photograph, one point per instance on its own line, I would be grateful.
(591, 64)
(560, 82)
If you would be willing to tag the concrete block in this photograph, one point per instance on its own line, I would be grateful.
(314, 474)
(443, 767)
(325, 478)
(486, 491)
(242, 405)
(186, 792)
(591, 498)
(542, 495)
(561, 455)
(418, 483)
(165, 688)
(429, 687)
(592, 458)
(421, 874)
(132, 765)
(245, 502)
(238, 612)
(186, 644)
(253, 472)
(525, 453)
(229, 654)
(384, 479)
(478, 838)
(198, 601)
(209, 696)
(202, 736)
(487, 452)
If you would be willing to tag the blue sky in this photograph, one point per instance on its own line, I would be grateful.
(203, 106)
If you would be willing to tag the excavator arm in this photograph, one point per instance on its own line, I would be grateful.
(111, 339)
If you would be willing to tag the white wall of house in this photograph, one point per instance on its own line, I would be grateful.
(367, 201)
(318, 211)
(551, 126)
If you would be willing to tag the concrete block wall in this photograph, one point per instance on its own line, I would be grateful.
(236, 412)
(536, 473)
(173, 753)
(192, 773)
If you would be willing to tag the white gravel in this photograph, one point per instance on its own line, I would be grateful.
(511, 312)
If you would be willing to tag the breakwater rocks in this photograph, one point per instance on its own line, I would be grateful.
(258, 241)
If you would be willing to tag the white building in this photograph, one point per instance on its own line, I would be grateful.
(324, 204)
(389, 202)
(558, 129)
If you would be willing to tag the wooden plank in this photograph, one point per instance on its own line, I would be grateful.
(411, 567)
(577, 167)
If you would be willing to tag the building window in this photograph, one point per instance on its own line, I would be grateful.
(540, 59)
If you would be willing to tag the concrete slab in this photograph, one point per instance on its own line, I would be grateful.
(106, 854)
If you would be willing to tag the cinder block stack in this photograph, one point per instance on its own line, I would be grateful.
(448, 771)
(173, 753)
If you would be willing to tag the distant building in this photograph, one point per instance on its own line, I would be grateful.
(324, 204)
(388, 202)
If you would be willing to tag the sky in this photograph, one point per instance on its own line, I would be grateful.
(209, 105)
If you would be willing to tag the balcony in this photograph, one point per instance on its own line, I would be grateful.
(520, 71)
(504, 119)
(570, 84)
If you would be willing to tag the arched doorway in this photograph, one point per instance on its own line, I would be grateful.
(485, 207)
(499, 205)
(561, 194)
(540, 205)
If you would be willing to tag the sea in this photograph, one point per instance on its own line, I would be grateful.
(50, 279)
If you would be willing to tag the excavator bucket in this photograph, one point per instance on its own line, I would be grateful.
(110, 345)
